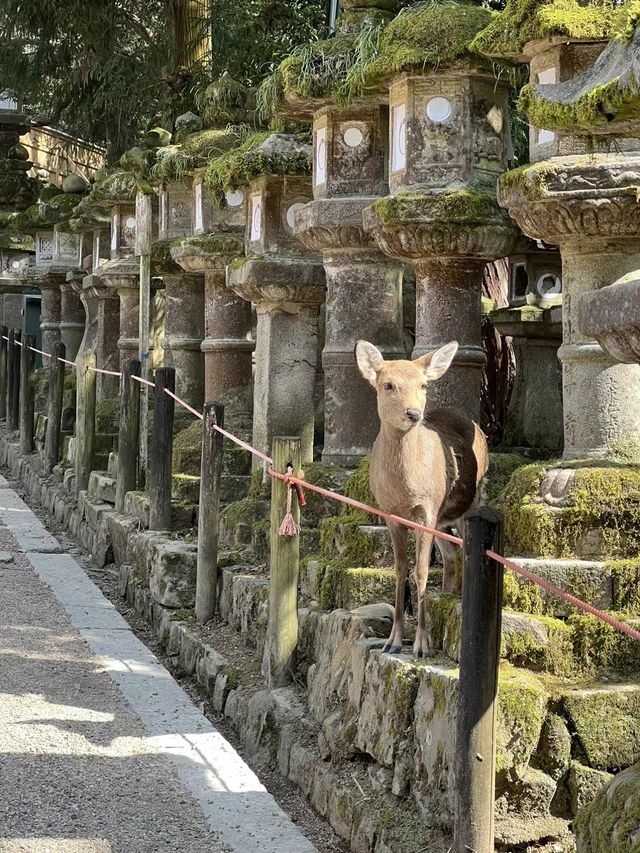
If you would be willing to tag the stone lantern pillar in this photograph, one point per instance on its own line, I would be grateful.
(448, 144)
(66, 259)
(49, 283)
(590, 211)
(286, 285)
(534, 321)
(184, 293)
(364, 288)
(121, 272)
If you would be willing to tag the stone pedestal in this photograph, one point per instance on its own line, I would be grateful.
(72, 317)
(227, 318)
(590, 211)
(184, 332)
(102, 323)
(50, 309)
(287, 294)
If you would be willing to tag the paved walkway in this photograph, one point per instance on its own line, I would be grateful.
(101, 751)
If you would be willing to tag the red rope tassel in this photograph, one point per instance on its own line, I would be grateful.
(289, 527)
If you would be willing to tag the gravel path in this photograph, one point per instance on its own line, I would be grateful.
(100, 750)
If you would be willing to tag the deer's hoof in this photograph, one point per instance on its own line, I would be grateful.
(391, 649)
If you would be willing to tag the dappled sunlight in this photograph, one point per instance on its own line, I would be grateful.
(134, 667)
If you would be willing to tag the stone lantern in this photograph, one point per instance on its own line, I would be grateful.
(286, 284)
(364, 288)
(67, 262)
(16, 262)
(534, 321)
(121, 271)
(449, 142)
(17, 190)
(184, 293)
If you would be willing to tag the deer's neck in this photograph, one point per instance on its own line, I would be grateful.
(398, 449)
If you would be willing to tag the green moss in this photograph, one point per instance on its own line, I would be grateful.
(185, 487)
(626, 585)
(425, 35)
(617, 100)
(108, 416)
(606, 723)
(599, 646)
(522, 707)
(440, 608)
(319, 507)
(43, 214)
(458, 207)
(118, 186)
(246, 162)
(610, 822)
(187, 450)
(530, 181)
(344, 536)
(523, 21)
(213, 244)
(225, 100)
(357, 487)
(604, 502)
(555, 656)
(350, 587)
(501, 467)
(176, 161)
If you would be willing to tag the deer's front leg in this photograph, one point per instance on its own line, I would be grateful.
(424, 542)
(399, 542)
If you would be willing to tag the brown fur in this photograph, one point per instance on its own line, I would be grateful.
(429, 471)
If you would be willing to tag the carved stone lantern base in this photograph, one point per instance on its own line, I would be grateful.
(287, 293)
(123, 276)
(72, 314)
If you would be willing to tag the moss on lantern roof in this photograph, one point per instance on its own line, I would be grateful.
(114, 187)
(226, 100)
(43, 214)
(523, 21)
(425, 35)
(176, 161)
(260, 154)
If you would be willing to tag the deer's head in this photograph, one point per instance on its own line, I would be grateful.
(402, 386)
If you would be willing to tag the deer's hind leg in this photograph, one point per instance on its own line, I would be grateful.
(398, 535)
(450, 554)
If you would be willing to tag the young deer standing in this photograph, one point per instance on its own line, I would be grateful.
(427, 468)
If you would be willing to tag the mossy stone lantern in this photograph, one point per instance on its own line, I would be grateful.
(286, 284)
(210, 214)
(364, 288)
(449, 142)
(17, 189)
(16, 264)
(117, 192)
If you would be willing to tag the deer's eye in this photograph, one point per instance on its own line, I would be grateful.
(424, 386)
(388, 386)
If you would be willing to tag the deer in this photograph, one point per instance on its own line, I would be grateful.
(428, 468)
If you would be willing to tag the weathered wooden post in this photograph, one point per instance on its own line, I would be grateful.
(479, 661)
(210, 475)
(11, 353)
(278, 662)
(14, 402)
(4, 333)
(129, 432)
(161, 450)
(54, 407)
(144, 229)
(27, 398)
(85, 419)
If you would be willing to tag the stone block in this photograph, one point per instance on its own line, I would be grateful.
(606, 722)
(102, 487)
(523, 810)
(522, 709)
(611, 823)
(389, 693)
(250, 608)
(347, 587)
(172, 574)
(120, 528)
(585, 784)
(553, 754)
(186, 488)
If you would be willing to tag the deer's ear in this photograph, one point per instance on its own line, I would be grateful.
(435, 364)
(370, 360)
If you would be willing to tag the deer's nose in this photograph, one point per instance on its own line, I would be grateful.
(414, 415)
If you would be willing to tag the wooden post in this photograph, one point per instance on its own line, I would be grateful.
(85, 419)
(4, 333)
(161, 450)
(278, 662)
(144, 237)
(27, 398)
(14, 402)
(11, 354)
(210, 475)
(54, 408)
(129, 432)
(482, 580)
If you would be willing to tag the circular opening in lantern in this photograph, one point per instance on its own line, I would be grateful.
(439, 109)
(353, 137)
(130, 222)
(234, 197)
(549, 284)
(291, 213)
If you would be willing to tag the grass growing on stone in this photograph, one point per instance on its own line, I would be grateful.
(174, 162)
(523, 21)
(609, 824)
(117, 186)
(458, 207)
(522, 707)
(249, 160)
(212, 244)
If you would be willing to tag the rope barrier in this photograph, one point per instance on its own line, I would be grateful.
(289, 479)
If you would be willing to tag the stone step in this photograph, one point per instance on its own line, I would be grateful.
(112, 464)
(102, 487)
(184, 516)
(233, 488)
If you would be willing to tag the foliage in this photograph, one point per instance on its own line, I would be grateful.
(175, 161)
(106, 70)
